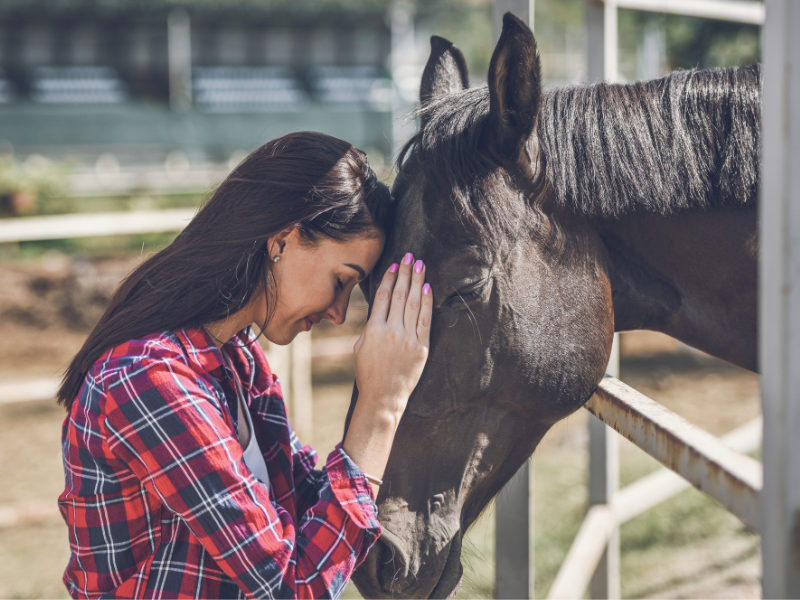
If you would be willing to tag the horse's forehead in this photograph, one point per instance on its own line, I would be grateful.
(412, 224)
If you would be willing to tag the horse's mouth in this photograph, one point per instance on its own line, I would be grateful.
(450, 579)
(377, 579)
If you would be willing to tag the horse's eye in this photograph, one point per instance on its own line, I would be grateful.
(466, 294)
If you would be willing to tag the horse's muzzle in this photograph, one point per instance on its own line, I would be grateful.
(387, 572)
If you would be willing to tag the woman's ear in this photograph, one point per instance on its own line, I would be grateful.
(283, 240)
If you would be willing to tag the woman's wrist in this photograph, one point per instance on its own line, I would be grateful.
(381, 410)
(369, 438)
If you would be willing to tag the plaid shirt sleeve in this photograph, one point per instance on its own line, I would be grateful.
(175, 435)
(307, 481)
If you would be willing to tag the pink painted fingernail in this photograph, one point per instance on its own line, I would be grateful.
(408, 258)
(426, 289)
(418, 266)
(393, 268)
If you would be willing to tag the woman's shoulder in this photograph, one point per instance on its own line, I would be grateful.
(165, 346)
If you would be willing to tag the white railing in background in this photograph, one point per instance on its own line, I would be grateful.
(741, 11)
(177, 177)
(79, 225)
(692, 456)
(603, 520)
(32, 389)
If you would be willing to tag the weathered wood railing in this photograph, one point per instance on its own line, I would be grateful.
(691, 455)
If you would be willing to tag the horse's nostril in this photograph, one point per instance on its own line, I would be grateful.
(392, 563)
(384, 573)
(389, 572)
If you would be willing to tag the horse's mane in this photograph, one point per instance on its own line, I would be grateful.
(687, 140)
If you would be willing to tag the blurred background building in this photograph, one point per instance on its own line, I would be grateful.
(166, 94)
(199, 82)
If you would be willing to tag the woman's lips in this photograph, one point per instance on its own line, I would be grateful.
(309, 323)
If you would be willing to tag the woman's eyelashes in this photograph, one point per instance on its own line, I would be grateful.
(339, 284)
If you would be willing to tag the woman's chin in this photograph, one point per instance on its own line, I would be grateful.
(285, 335)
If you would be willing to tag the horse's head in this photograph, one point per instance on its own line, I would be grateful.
(522, 324)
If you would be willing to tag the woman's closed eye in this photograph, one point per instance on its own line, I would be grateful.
(339, 284)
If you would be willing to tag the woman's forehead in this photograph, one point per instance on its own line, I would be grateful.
(363, 251)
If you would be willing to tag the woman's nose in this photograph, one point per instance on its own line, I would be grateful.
(337, 312)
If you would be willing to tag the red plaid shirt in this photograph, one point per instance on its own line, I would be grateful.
(160, 504)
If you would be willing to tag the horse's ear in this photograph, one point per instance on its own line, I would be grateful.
(514, 88)
(445, 73)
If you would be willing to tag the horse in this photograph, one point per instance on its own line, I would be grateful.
(548, 220)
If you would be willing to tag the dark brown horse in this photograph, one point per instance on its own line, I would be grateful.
(548, 220)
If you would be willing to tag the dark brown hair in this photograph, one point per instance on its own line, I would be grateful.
(319, 183)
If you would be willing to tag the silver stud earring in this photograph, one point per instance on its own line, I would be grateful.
(276, 259)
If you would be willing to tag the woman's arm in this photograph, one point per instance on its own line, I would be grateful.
(390, 356)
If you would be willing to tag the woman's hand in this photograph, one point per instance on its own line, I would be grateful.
(393, 348)
(390, 356)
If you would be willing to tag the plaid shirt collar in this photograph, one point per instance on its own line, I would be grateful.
(203, 353)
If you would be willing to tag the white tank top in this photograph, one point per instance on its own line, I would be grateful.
(253, 457)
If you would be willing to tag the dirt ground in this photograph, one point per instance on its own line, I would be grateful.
(47, 307)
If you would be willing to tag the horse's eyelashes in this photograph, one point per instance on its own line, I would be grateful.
(468, 293)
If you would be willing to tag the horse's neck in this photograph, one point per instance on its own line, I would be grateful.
(690, 275)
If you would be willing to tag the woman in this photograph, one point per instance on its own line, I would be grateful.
(183, 477)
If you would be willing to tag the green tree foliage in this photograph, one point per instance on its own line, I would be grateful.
(691, 42)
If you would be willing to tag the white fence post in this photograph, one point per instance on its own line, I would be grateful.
(513, 553)
(292, 363)
(603, 486)
(610, 42)
(179, 54)
(514, 572)
(404, 65)
(601, 64)
(779, 301)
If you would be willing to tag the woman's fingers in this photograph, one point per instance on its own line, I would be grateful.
(425, 313)
(400, 294)
(383, 297)
(392, 351)
(414, 297)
